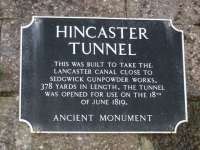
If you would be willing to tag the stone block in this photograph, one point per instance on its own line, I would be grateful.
(90, 141)
(152, 9)
(184, 12)
(192, 58)
(105, 8)
(13, 134)
(7, 127)
(9, 55)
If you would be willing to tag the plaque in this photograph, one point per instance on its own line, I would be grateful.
(102, 75)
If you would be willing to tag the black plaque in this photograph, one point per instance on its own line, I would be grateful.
(102, 75)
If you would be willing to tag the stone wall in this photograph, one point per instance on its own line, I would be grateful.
(16, 135)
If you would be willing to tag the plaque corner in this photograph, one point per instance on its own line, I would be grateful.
(29, 24)
(28, 123)
(171, 24)
(178, 124)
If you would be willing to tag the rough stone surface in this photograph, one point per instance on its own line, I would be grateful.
(13, 134)
(9, 55)
(14, 13)
(180, 11)
(192, 58)
(88, 141)
(188, 135)
(7, 123)
(22, 136)
(152, 9)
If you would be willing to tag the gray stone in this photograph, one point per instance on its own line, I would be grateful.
(192, 58)
(22, 136)
(152, 9)
(188, 136)
(105, 8)
(10, 37)
(7, 126)
(13, 134)
(9, 55)
(146, 144)
(8, 9)
(188, 12)
(183, 12)
(90, 141)
(9, 80)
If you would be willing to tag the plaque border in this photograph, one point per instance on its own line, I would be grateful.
(105, 132)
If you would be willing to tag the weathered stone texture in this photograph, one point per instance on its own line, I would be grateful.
(9, 69)
(14, 13)
(13, 134)
(188, 135)
(180, 11)
(7, 119)
(192, 57)
(9, 55)
(152, 9)
(89, 141)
